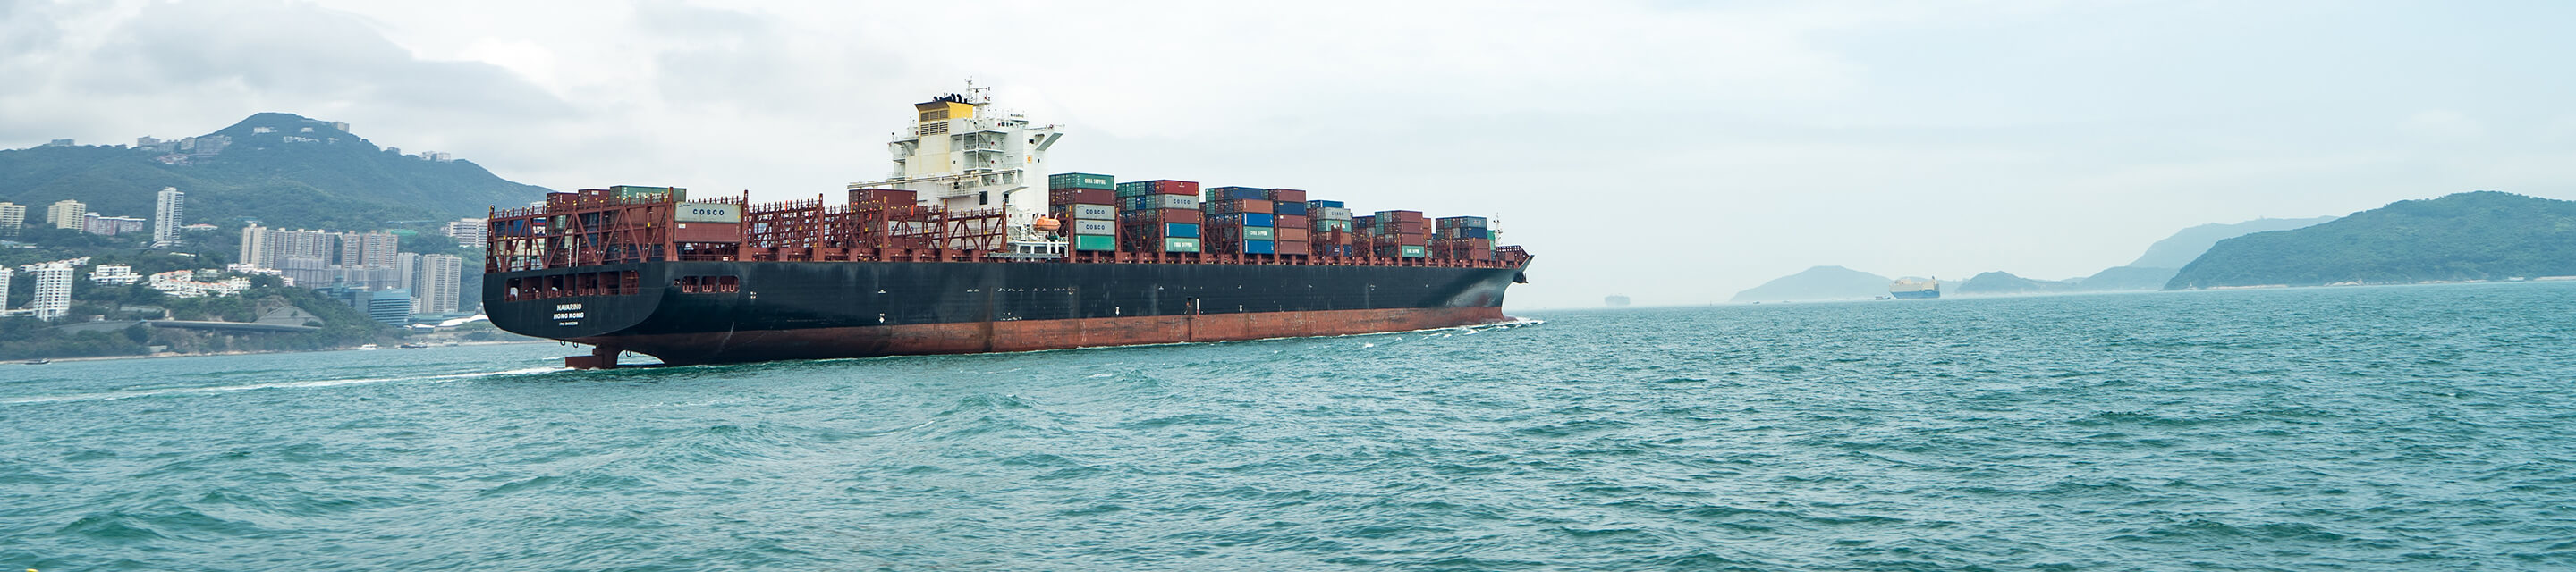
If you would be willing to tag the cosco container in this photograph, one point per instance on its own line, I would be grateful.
(1082, 181)
(1093, 212)
(1146, 202)
(1095, 242)
(1094, 227)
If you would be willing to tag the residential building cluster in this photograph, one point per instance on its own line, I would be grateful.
(168, 224)
(364, 269)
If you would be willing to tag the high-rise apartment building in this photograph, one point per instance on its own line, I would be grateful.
(165, 217)
(12, 216)
(4, 287)
(269, 248)
(440, 283)
(53, 291)
(468, 232)
(68, 214)
(368, 249)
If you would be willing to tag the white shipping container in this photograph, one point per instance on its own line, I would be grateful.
(1175, 201)
(1095, 212)
(707, 212)
(1332, 213)
(1098, 227)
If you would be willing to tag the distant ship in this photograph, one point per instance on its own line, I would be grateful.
(1909, 289)
(1615, 301)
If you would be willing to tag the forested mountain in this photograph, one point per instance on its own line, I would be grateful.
(2483, 235)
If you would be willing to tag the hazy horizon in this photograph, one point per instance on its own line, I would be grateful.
(1671, 153)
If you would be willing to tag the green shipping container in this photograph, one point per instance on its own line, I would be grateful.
(1094, 242)
(1256, 233)
(1180, 245)
(675, 194)
(1082, 181)
(1415, 252)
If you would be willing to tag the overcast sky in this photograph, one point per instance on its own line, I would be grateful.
(1673, 151)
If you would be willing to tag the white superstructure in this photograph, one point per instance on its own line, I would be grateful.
(961, 153)
(53, 291)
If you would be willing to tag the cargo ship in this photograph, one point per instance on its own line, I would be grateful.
(970, 245)
(1911, 289)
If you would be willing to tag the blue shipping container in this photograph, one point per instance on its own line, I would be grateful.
(1229, 193)
(1256, 219)
(1259, 247)
(1290, 209)
(1180, 230)
(1324, 204)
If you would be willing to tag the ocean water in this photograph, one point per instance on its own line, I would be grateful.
(2394, 428)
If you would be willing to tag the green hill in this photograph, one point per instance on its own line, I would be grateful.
(1819, 283)
(2484, 235)
(2187, 244)
(284, 170)
(2005, 283)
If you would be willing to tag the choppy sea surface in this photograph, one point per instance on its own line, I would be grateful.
(2389, 428)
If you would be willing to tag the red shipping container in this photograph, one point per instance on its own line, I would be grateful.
(1232, 206)
(1171, 187)
(1289, 234)
(1406, 216)
(1292, 247)
(706, 232)
(1291, 221)
(1082, 197)
(1287, 196)
(884, 197)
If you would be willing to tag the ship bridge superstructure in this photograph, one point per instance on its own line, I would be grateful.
(963, 154)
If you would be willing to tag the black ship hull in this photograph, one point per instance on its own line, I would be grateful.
(720, 312)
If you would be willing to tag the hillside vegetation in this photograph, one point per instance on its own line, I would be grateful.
(337, 180)
(2483, 235)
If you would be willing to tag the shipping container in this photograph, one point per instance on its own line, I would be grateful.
(1093, 227)
(1297, 247)
(1241, 219)
(1258, 247)
(1232, 193)
(1061, 197)
(1232, 206)
(1405, 251)
(1191, 216)
(1466, 233)
(1324, 204)
(1257, 233)
(1461, 222)
(1082, 181)
(1297, 208)
(1406, 216)
(1285, 196)
(1091, 212)
(1180, 245)
(1145, 202)
(727, 213)
(1290, 233)
(634, 192)
(879, 198)
(1321, 225)
(1158, 187)
(1095, 242)
(1285, 221)
(1180, 229)
(1332, 213)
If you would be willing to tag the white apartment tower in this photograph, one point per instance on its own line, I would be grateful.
(468, 232)
(165, 217)
(68, 214)
(4, 288)
(368, 249)
(53, 291)
(441, 279)
(961, 153)
(12, 216)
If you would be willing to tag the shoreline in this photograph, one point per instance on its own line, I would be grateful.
(244, 353)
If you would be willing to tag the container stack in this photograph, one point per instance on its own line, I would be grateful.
(1086, 207)
(1332, 233)
(1290, 231)
(1241, 225)
(1462, 238)
(1159, 216)
(1399, 234)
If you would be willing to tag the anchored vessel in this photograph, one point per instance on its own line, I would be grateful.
(971, 246)
(1909, 288)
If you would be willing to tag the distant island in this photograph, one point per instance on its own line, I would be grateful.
(2483, 235)
(1818, 283)
(2151, 271)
